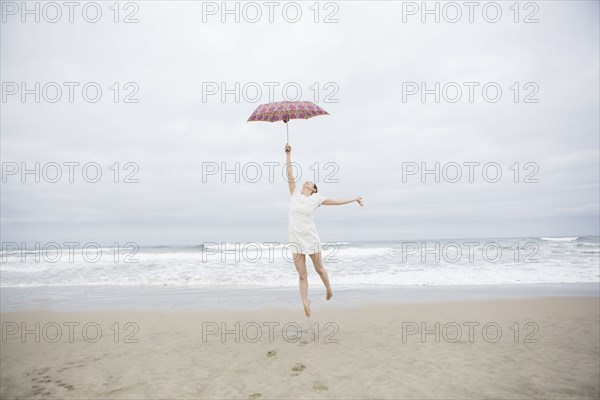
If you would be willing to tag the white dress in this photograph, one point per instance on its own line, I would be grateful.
(303, 237)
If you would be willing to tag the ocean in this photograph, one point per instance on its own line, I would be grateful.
(369, 264)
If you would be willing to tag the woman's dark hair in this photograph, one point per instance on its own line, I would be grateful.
(316, 190)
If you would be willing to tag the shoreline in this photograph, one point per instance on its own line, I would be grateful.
(182, 298)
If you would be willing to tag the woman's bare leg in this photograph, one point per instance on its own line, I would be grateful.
(300, 263)
(318, 263)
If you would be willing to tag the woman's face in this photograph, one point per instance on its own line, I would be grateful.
(309, 185)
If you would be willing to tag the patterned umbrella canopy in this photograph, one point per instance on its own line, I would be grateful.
(286, 110)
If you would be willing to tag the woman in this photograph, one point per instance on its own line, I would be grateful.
(303, 236)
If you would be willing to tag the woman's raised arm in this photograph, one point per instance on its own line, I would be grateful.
(332, 202)
(288, 168)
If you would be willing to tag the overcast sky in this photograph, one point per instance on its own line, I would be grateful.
(363, 68)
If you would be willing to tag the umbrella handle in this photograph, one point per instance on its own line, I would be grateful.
(287, 131)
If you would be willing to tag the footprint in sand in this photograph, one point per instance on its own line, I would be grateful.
(318, 385)
(62, 384)
(299, 367)
(272, 353)
(255, 396)
(37, 390)
(41, 371)
(39, 379)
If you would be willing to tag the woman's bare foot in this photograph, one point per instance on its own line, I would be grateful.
(329, 294)
(307, 308)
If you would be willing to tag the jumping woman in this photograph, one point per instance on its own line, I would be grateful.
(303, 236)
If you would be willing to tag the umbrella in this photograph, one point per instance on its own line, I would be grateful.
(286, 110)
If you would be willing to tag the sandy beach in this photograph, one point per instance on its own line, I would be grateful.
(536, 348)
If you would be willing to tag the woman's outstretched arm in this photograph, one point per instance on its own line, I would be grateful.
(288, 168)
(332, 202)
